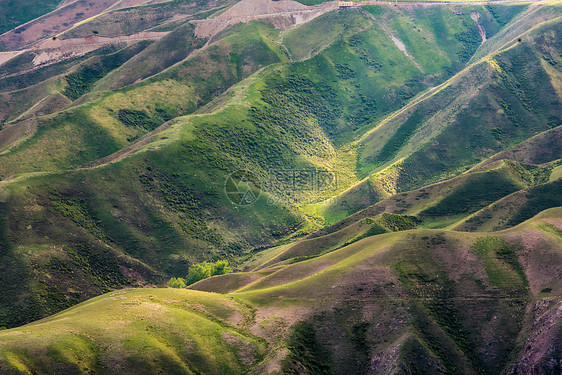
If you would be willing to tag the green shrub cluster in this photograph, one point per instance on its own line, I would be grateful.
(137, 119)
(396, 222)
(177, 282)
(82, 80)
(504, 14)
(77, 210)
(201, 271)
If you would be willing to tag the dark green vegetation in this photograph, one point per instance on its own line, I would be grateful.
(305, 352)
(310, 114)
(86, 75)
(113, 169)
(425, 301)
(201, 271)
(16, 12)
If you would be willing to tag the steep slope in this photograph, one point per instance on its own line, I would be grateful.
(63, 55)
(13, 14)
(358, 102)
(503, 91)
(494, 104)
(120, 117)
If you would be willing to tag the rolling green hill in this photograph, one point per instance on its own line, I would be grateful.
(423, 301)
(310, 98)
(406, 161)
(493, 104)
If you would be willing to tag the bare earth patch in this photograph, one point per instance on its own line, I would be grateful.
(282, 14)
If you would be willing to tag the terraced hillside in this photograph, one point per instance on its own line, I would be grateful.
(416, 301)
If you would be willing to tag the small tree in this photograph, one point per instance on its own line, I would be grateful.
(198, 272)
(204, 270)
(221, 267)
(181, 283)
(172, 282)
(176, 283)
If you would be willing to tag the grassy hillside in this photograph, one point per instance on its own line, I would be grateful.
(509, 111)
(421, 307)
(22, 72)
(15, 13)
(165, 52)
(269, 102)
(127, 332)
(348, 75)
(45, 91)
(514, 208)
(129, 223)
(421, 300)
(118, 118)
(468, 197)
(492, 104)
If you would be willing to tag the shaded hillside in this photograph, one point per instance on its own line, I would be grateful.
(15, 13)
(490, 107)
(420, 301)
(468, 197)
(514, 208)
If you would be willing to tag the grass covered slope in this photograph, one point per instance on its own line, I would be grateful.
(15, 13)
(127, 332)
(118, 118)
(490, 107)
(347, 72)
(158, 204)
(423, 301)
(468, 197)
(501, 107)
(128, 223)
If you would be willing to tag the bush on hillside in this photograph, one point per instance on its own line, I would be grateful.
(176, 283)
(201, 271)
